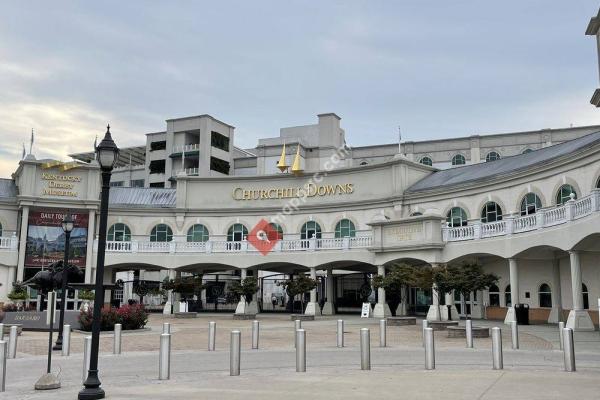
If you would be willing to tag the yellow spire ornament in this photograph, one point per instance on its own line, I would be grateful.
(296, 167)
(282, 165)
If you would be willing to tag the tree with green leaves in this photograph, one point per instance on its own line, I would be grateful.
(245, 288)
(187, 286)
(299, 286)
(397, 278)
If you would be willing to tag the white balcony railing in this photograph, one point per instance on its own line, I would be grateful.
(186, 147)
(9, 242)
(188, 171)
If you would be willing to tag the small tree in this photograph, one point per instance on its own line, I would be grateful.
(86, 295)
(299, 286)
(471, 278)
(398, 277)
(18, 292)
(246, 288)
(187, 287)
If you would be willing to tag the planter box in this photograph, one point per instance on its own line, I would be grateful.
(461, 332)
(36, 321)
(302, 317)
(442, 325)
(401, 321)
(186, 315)
(244, 316)
(105, 333)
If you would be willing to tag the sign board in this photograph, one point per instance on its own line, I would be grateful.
(366, 310)
(36, 321)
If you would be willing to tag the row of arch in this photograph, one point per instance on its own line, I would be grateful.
(459, 159)
(544, 296)
(120, 232)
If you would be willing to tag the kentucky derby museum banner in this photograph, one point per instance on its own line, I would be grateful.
(46, 239)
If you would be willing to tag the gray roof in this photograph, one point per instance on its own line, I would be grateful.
(8, 189)
(142, 197)
(504, 166)
(135, 155)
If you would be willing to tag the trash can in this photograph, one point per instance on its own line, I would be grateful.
(522, 314)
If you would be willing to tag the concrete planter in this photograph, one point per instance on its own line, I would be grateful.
(442, 325)
(244, 316)
(302, 317)
(460, 332)
(186, 315)
(401, 321)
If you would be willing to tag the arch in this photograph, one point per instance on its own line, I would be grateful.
(598, 183)
(161, 233)
(459, 159)
(563, 194)
(507, 296)
(118, 232)
(277, 229)
(586, 296)
(416, 214)
(494, 293)
(544, 295)
(530, 203)
(457, 216)
(237, 232)
(310, 229)
(491, 212)
(527, 151)
(198, 233)
(344, 228)
(364, 163)
(426, 160)
(492, 156)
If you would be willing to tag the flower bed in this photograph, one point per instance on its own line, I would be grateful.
(129, 316)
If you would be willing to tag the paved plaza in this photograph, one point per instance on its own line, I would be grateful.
(533, 372)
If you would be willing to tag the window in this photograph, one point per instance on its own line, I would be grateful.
(161, 233)
(507, 297)
(459, 159)
(586, 299)
(137, 183)
(527, 151)
(494, 296)
(237, 233)
(197, 233)
(545, 295)
(309, 230)
(491, 212)
(364, 163)
(530, 203)
(157, 167)
(492, 156)
(416, 214)
(598, 184)
(116, 184)
(277, 228)
(119, 233)
(160, 145)
(157, 185)
(564, 194)
(219, 141)
(456, 217)
(426, 161)
(222, 166)
(345, 228)
(0, 230)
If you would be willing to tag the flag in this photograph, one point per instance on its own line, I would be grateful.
(31, 142)
(95, 145)
(23, 155)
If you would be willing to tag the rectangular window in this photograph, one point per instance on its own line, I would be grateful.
(160, 145)
(157, 167)
(137, 183)
(219, 141)
(222, 166)
(157, 185)
(116, 184)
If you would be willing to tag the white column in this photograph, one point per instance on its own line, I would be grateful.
(514, 290)
(242, 307)
(22, 243)
(556, 312)
(449, 299)
(382, 309)
(90, 246)
(312, 307)
(579, 319)
(252, 308)
(434, 309)
(328, 307)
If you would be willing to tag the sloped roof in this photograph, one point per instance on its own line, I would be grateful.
(142, 197)
(8, 189)
(127, 155)
(504, 166)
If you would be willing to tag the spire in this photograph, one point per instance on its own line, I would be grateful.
(296, 167)
(282, 164)
(31, 142)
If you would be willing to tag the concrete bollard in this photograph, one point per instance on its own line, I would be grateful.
(469, 333)
(382, 333)
(340, 333)
(300, 350)
(66, 343)
(561, 326)
(212, 333)
(164, 357)
(514, 333)
(166, 327)
(429, 349)
(87, 352)
(569, 350)
(117, 339)
(497, 358)
(297, 325)
(425, 326)
(3, 354)
(12, 342)
(365, 349)
(234, 353)
(255, 334)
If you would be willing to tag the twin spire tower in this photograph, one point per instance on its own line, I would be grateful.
(296, 167)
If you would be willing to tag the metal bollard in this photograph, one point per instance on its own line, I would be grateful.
(255, 334)
(469, 333)
(514, 330)
(561, 326)
(300, 350)
(12, 342)
(365, 349)
(166, 327)
(3, 354)
(497, 358)
(87, 352)
(66, 343)
(297, 325)
(429, 349)
(117, 339)
(212, 333)
(234, 353)
(382, 333)
(164, 357)
(340, 333)
(569, 350)
(425, 326)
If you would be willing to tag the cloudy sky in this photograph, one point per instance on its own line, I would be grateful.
(436, 68)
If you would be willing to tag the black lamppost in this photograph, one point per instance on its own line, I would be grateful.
(67, 226)
(107, 153)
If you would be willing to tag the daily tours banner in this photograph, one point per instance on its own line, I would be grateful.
(46, 239)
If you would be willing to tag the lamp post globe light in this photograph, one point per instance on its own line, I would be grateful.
(107, 154)
(67, 226)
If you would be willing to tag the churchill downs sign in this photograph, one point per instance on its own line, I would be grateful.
(308, 190)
